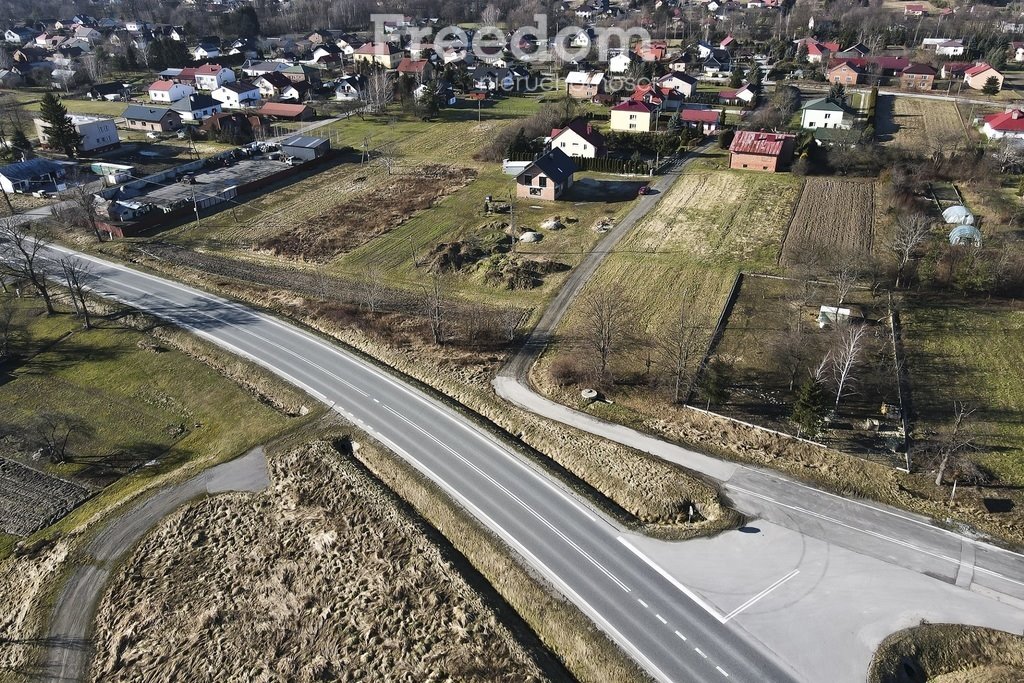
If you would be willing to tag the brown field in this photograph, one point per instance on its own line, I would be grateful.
(921, 125)
(835, 218)
(322, 576)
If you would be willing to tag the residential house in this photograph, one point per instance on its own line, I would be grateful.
(679, 82)
(652, 51)
(9, 78)
(845, 72)
(256, 69)
(168, 91)
(160, 119)
(917, 77)
(1007, 124)
(548, 177)
(621, 62)
(19, 35)
(32, 174)
(326, 55)
(302, 73)
(728, 43)
(825, 112)
(977, 76)
(235, 124)
(704, 49)
(88, 34)
(706, 121)
(288, 112)
(237, 95)
(271, 83)
(212, 76)
(296, 92)
(579, 139)
(1017, 48)
(582, 39)
(350, 87)
(954, 69)
(914, 9)
(584, 85)
(419, 69)
(665, 99)
(950, 48)
(97, 132)
(760, 151)
(720, 61)
(634, 117)
(386, 55)
(111, 92)
(857, 50)
(742, 96)
(194, 108)
(205, 51)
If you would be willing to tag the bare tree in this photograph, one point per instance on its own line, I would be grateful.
(846, 356)
(956, 441)
(78, 208)
(54, 431)
(678, 346)
(380, 90)
(845, 278)
(388, 156)
(20, 256)
(372, 288)
(510, 318)
(791, 352)
(93, 67)
(436, 308)
(8, 330)
(79, 276)
(911, 232)
(607, 318)
(490, 16)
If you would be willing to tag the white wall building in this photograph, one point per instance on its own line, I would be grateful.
(169, 91)
(237, 95)
(97, 132)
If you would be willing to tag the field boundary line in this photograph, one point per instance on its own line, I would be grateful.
(789, 223)
(716, 335)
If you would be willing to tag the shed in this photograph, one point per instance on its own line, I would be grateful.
(965, 234)
(958, 215)
(34, 174)
(306, 147)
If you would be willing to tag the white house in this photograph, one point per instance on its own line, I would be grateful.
(825, 113)
(679, 82)
(1018, 51)
(197, 107)
(169, 91)
(205, 52)
(350, 88)
(1007, 124)
(950, 48)
(579, 139)
(582, 40)
(97, 132)
(255, 69)
(237, 95)
(621, 62)
(212, 76)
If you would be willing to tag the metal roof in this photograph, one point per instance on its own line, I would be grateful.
(303, 141)
(27, 170)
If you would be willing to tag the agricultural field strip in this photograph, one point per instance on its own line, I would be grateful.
(833, 217)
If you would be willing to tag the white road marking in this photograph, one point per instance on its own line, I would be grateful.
(646, 606)
(760, 595)
(680, 635)
(697, 650)
(661, 618)
(722, 671)
(671, 579)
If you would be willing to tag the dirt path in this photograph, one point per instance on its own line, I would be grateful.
(69, 643)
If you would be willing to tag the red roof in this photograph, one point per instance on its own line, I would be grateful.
(978, 69)
(701, 115)
(1012, 120)
(634, 106)
(754, 142)
(956, 67)
(891, 63)
(831, 46)
(732, 94)
(187, 74)
(920, 69)
(162, 85)
(283, 110)
(412, 66)
(854, 63)
(914, 8)
(209, 70)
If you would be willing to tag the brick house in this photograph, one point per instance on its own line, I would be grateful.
(584, 85)
(845, 73)
(758, 151)
(917, 77)
(546, 178)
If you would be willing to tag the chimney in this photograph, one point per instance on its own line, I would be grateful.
(1015, 114)
(590, 129)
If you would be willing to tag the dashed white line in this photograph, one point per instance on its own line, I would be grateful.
(681, 636)
(722, 671)
(643, 603)
(661, 618)
(697, 650)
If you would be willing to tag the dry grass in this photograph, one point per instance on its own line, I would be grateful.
(834, 218)
(925, 125)
(950, 653)
(324, 575)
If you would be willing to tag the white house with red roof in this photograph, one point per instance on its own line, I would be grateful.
(978, 75)
(914, 9)
(212, 76)
(1007, 124)
(704, 120)
(743, 95)
(169, 91)
(579, 139)
(634, 117)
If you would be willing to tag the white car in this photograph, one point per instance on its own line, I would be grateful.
(153, 135)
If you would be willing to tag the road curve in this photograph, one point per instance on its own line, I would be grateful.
(667, 629)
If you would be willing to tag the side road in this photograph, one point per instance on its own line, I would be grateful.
(69, 646)
(908, 540)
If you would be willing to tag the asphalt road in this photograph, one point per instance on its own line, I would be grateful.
(666, 627)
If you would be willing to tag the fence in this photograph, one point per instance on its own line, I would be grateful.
(716, 335)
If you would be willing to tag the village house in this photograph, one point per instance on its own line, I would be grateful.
(196, 107)
(579, 139)
(420, 69)
(651, 51)
(759, 151)
(386, 55)
(620, 63)
(168, 91)
(97, 133)
(1017, 48)
(159, 119)
(954, 69)
(665, 99)
(706, 121)
(634, 117)
(679, 82)
(741, 96)
(825, 112)
(914, 9)
(212, 76)
(950, 48)
(584, 85)
(237, 95)
(271, 84)
(286, 112)
(350, 88)
(978, 75)
(917, 77)
(256, 69)
(548, 177)
(1007, 124)
(111, 92)
(845, 73)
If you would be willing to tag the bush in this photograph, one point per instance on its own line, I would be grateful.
(566, 371)
(725, 139)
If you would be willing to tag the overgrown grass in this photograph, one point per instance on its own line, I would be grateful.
(926, 652)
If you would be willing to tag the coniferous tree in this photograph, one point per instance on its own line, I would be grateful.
(810, 407)
(57, 126)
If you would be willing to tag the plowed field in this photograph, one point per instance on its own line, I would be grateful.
(834, 220)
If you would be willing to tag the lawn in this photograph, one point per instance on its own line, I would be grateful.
(971, 352)
(127, 396)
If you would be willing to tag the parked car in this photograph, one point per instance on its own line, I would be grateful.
(644, 189)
